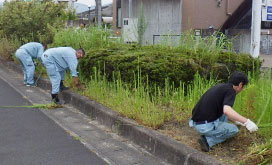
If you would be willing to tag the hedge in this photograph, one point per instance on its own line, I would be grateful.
(157, 63)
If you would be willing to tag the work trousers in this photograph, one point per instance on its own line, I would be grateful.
(54, 75)
(27, 64)
(216, 131)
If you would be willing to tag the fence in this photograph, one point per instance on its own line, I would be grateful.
(266, 44)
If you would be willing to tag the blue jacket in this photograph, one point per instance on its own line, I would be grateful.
(63, 58)
(34, 49)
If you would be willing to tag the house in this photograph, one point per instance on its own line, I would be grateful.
(173, 17)
(238, 27)
(68, 3)
(107, 11)
(87, 16)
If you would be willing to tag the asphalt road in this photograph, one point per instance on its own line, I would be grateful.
(28, 137)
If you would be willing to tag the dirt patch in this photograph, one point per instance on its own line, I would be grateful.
(232, 151)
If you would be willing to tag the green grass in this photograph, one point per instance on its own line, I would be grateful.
(152, 106)
(149, 105)
(89, 38)
(259, 154)
(44, 106)
(255, 103)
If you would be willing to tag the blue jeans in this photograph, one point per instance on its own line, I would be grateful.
(216, 131)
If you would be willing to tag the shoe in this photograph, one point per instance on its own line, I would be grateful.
(204, 144)
(62, 87)
(30, 85)
(55, 98)
(25, 83)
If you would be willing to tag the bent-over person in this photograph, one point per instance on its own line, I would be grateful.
(56, 61)
(25, 54)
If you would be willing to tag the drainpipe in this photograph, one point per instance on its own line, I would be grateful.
(129, 8)
(255, 28)
(99, 13)
(228, 12)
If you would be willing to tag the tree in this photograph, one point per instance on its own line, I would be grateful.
(32, 21)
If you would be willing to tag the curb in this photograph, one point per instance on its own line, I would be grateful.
(154, 142)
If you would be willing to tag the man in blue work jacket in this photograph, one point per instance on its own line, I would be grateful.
(56, 61)
(25, 54)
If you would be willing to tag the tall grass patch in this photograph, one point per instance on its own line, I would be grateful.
(8, 47)
(135, 104)
(255, 103)
(89, 39)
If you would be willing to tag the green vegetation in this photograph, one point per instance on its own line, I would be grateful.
(160, 62)
(32, 21)
(43, 106)
(8, 47)
(255, 103)
(142, 24)
(89, 39)
(259, 154)
(150, 84)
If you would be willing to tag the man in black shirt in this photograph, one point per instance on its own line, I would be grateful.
(211, 114)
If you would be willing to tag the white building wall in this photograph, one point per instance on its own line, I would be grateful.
(163, 17)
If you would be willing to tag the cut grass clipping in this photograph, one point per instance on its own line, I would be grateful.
(43, 106)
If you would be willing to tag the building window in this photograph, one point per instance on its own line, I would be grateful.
(266, 25)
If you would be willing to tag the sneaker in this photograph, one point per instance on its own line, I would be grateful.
(204, 144)
(56, 101)
(25, 83)
(30, 85)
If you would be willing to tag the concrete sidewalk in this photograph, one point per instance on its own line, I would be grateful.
(155, 148)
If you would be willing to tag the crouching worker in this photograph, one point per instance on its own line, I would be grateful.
(56, 61)
(25, 54)
(211, 114)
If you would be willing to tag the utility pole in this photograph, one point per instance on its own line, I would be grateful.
(256, 28)
(98, 12)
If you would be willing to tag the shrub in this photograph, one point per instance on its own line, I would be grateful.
(157, 63)
(31, 21)
(8, 47)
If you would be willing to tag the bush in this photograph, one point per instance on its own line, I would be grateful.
(156, 64)
(8, 47)
(32, 21)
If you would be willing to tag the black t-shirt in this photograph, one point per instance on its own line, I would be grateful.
(210, 106)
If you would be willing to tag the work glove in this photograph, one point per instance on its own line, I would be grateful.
(251, 126)
(239, 123)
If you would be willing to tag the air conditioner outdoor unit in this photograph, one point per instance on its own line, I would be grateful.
(130, 29)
